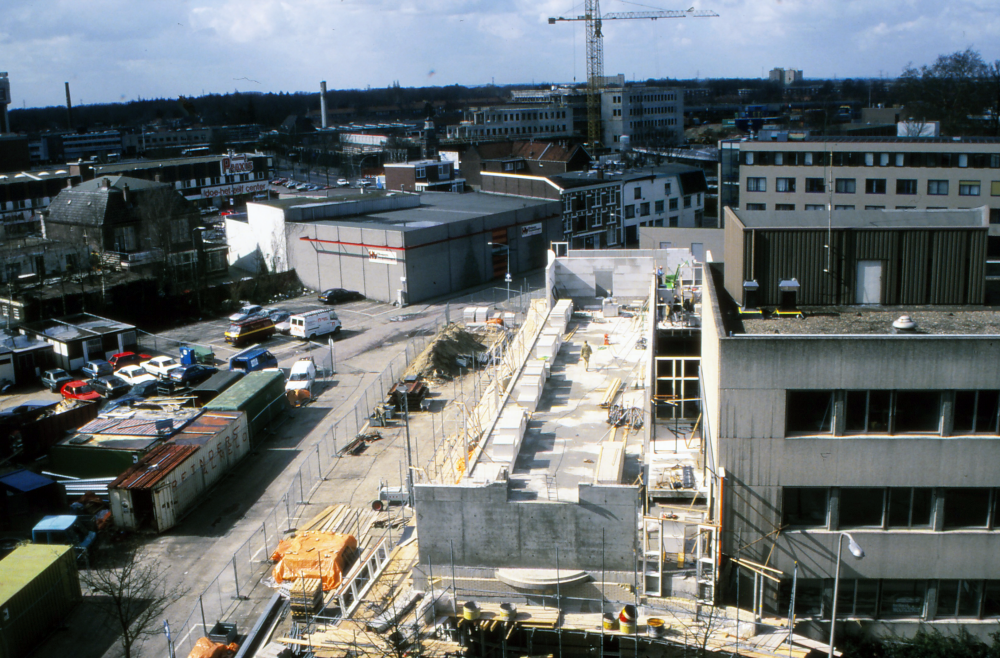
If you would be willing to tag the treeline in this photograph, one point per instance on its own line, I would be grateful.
(267, 109)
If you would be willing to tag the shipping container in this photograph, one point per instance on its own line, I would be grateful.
(260, 394)
(158, 491)
(33, 438)
(212, 387)
(39, 585)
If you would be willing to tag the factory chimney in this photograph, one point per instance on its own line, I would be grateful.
(4, 102)
(69, 109)
(322, 102)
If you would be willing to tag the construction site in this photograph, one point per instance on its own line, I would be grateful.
(567, 504)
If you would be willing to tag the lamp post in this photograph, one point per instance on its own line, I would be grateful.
(858, 553)
(507, 276)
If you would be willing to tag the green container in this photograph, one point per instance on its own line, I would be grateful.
(39, 585)
(260, 394)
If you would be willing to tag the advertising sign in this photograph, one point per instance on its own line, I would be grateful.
(529, 230)
(236, 164)
(234, 189)
(382, 256)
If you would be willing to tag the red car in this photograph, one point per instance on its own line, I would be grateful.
(78, 390)
(123, 359)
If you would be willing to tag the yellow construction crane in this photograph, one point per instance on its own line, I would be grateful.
(595, 54)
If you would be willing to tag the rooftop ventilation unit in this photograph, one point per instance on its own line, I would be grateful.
(904, 324)
(789, 291)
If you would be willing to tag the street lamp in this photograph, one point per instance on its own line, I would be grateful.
(858, 553)
(507, 276)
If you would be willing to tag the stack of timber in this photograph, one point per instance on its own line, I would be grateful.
(360, 523)
(305, 596)
(528, 616)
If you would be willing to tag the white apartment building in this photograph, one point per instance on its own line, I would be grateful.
(638, 112)
(862, 173)
(540, 121)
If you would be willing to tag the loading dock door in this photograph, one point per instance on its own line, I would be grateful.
(869, 290)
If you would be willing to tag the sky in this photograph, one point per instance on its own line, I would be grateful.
(120, 50)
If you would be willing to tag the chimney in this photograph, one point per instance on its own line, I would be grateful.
(105, 183)
(322, 102)
(125, 192)
(69, 109)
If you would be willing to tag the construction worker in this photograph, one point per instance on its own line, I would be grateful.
(585, 353)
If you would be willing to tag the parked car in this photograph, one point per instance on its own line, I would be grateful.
(161, 365)
(284, 327)
(251, 330)
(123, 359)
(144, 390)
(343, 182)
(245, 313)
(98, 368)
(339, 295)
(192, 375)
(277, 314)
(79, 390)
(110, 386)
(135, 375)
(55, 379)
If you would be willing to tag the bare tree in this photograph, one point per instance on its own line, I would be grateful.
(134, 592)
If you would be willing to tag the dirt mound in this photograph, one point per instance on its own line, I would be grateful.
(439, 357)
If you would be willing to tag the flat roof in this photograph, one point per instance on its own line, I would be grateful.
(876, 140)
(572, 179)
(832, 320)
(305, 200)
(83, 325)
(873, 219)
(131, 165)
(438, 208)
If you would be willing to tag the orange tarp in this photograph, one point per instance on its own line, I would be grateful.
(205, 648)
(313, 554)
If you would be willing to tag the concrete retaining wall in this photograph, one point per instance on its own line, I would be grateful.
(486, 530)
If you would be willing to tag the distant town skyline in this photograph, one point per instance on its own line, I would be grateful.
(115, 51)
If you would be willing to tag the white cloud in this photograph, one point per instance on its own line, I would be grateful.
(110, 48)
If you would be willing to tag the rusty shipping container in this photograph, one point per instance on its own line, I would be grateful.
(171, 478)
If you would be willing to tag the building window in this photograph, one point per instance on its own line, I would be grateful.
(815, 185)
(754, 185)
(756, 206)
(966, 507)
(674, 221)
(804, 507)
(937, 187)
(666, 188)
(959, 598)
(644, 209)
(779, 159)
(899, 159)
(867, 411)
(906, 186)
(815, 206)
(807, 159)
(785, 185)
(843, 207)
(874, 186)
(784, 206)
(687, 201)
(991, 600)
(629, 211)
(857, 597)
(658, 206)
(963, 160)
(903, 598)
(637, 194)
(968, 188)
(861, 507)
(909, 507)
(420, 172)
(809, 412)
(674, 204)
(975, 412)
(869, 159)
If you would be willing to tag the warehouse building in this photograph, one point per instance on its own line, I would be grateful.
(393, 246)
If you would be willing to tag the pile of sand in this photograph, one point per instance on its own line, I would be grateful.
(439, 357)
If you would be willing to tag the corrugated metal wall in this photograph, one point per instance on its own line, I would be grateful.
(931, 266)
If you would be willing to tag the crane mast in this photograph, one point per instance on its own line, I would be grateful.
(595, 54)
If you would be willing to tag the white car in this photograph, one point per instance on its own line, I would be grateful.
(245, 312)
(343, 182)
(135, 375)
(161, 366)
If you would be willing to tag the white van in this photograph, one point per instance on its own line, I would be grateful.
(314, 323)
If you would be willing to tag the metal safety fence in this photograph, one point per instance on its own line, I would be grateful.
(229, 595)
